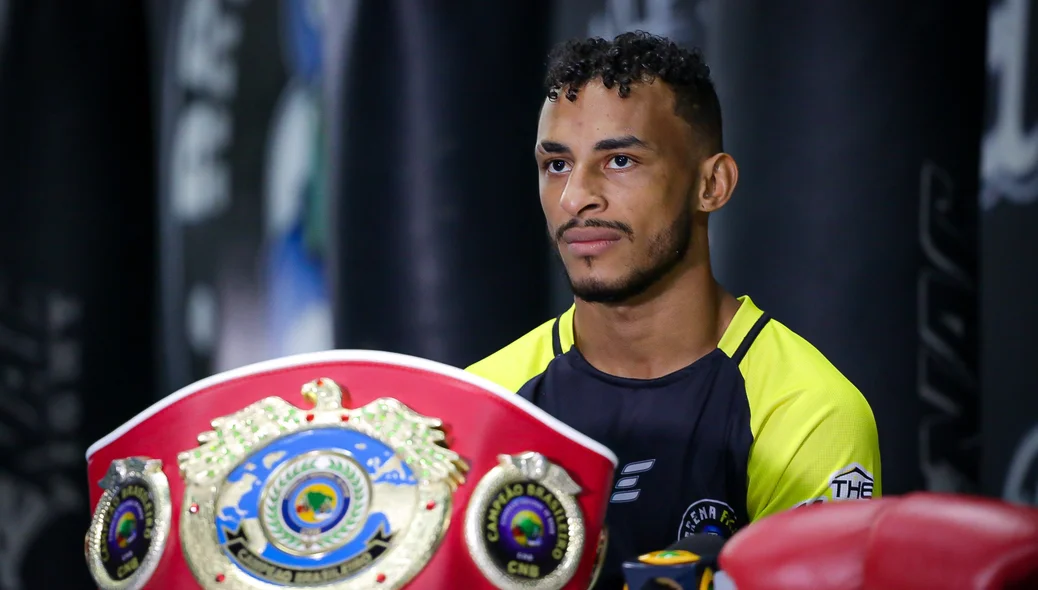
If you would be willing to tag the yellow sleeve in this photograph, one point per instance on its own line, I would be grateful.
(815, 445)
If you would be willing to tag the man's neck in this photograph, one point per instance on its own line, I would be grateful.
(661, 333)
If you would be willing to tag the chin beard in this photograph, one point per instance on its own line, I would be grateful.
(666, 250)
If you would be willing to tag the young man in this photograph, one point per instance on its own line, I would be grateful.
(719, 414)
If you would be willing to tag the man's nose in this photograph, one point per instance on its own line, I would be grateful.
(583, 192)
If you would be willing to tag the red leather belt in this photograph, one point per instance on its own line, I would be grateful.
(347, 470)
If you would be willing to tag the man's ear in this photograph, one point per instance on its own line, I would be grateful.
(718, 177)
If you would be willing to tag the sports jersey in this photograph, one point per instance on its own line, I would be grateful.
(761, 424)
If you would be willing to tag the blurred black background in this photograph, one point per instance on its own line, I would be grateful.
(188, 186)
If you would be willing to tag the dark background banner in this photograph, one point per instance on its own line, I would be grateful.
(77, 268)
(1009, 277)
(440, 241)
(856, 127)
(242, 183)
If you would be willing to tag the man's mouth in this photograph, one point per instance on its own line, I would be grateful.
(590, 241)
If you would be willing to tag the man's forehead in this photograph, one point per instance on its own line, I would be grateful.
(601, 111)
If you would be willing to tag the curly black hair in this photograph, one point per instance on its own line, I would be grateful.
(638, 57)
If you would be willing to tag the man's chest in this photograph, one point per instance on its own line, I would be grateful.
(661, 497)
(657, 500)
(682, 453)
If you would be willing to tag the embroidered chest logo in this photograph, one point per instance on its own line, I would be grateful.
(711, 517)
(625, 490)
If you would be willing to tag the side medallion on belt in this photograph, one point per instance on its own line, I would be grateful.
(600, 555)
(523, 524)
(344, 499)
(130, 526)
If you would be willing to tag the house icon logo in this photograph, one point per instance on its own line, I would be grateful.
(852, 483)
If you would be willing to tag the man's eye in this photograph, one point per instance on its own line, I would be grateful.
(557, 166)
(619, 162)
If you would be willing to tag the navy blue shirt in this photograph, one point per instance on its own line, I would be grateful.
(682, 441)
(760, 425)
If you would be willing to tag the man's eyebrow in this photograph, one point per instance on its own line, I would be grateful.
(613, 143)
(619, 143)
(553, 147)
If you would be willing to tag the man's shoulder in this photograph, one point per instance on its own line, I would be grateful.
(813, 430)
(795, 358)
(515, 364)
(783, 368)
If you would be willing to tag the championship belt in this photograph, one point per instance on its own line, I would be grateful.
(347, 470)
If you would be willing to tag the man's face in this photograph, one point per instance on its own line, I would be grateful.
(617, 179)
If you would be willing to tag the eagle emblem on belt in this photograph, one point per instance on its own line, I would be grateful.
(345, 498)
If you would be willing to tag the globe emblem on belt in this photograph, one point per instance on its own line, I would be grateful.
(315, 503)
(528, 529)
(125, 530)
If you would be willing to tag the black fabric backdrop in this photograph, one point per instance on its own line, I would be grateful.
(77, 269)
(440, 242)
(219, 73)
(1009, 242)
(856, 127)
(243, 205)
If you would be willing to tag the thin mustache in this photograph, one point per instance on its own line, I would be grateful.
(572, 223)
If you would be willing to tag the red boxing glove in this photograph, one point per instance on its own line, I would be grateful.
(952, 542)
(921, 540)
(349, 470)
(821, 547)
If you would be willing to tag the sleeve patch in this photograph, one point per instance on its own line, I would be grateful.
(853, 482)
